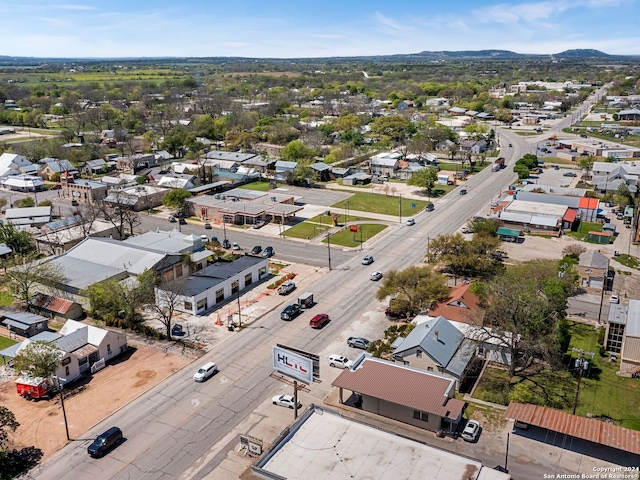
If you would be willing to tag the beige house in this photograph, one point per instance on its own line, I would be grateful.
(592, 269)
(422, 399)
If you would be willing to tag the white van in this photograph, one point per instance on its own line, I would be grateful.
(205, 372)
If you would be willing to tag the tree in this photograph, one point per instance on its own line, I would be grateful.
(303, 174)
(27, 202)
(19, 241)
(623, 196)
(522, 171)
(118, 302)
(296, 151)
(414, 289)
(393, 127)
(175, 200)
(586, 163)
(526, 306)
(28, 272)
(464, 258)
(573, 250)
(168, 297)
(425, 178)
(8, 424)
(38, 359)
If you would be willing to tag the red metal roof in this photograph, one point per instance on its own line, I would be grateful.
(402, 385)
(570, 215)
(54, 304)
(589, 429)
(602, 234)
(588, 203)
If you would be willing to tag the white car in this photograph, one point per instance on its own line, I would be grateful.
(339, 361)
(471, 431)
(205, 372)
(410, 222)
(284, 401)
(368, 260)
(375, 276)
(614, 298)
(235, 245)
(286, 288)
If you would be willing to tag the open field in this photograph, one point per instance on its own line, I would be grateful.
(257, 186)
(115, 75)
(6, 342)
(383, 204)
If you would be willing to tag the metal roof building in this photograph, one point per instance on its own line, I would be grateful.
(589, 429)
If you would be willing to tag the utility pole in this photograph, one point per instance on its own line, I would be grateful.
(400, 208)
(329, 248)
(581, 364)
(239, 311)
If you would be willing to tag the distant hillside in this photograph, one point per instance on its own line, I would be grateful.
(424, 56)
(583, 53)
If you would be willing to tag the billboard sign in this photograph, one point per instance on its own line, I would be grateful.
(293, 365)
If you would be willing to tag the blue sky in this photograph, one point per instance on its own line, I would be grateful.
(289, 29)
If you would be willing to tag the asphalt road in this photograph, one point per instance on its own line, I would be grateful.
(172, 430)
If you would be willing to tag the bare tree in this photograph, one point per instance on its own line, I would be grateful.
(28, 272)
(169, 296)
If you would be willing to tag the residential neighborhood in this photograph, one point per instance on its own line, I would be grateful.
(453, 273)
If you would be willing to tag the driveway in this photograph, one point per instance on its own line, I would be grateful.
(41, 422)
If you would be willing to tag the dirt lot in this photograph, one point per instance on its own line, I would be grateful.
(41, 422)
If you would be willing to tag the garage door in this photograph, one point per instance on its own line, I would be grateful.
(595, 282)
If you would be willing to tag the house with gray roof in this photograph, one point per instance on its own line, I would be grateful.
(284, 168)
(206, 289)
(96, 166)
(435, 345)
(592, 271)
(611, 181)
(53, 166)
(29, 216)
(80, 345)
(385, 163)
(24, 324)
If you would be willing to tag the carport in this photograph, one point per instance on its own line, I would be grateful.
(508, 234)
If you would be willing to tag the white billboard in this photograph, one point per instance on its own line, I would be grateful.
(293, 365)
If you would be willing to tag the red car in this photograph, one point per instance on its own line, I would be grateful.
(393, 314)
(319, 320)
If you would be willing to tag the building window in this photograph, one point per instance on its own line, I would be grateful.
(109, 348)
(235, 286)
(178, 270)
(248, 279)
(614, 340)
(188, 306)
(167, 275)
(67, 372)
(429, 369)
(419, 353)
(201, 305)
(421, 415)
(219, 295)
(262, 272)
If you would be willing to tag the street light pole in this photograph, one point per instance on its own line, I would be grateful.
(329, 248)
(400, 208)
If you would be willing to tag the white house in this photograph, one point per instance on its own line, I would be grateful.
(212, 285)
(385, 163)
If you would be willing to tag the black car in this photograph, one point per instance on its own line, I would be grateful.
(429, 208)
(226, 243)
(463, 192)
(215, 239)
(177, 331)
(290, 312)
(182, 221)
(268, 252)
(104, 442)
(256, 250)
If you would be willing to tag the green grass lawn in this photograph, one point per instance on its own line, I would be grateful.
(306, 230)
(602, 392)
(383, 204)
(627, 260)
(258, 186)
(6, 342)
(584, 228)
(327, 219)
(347, 238)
